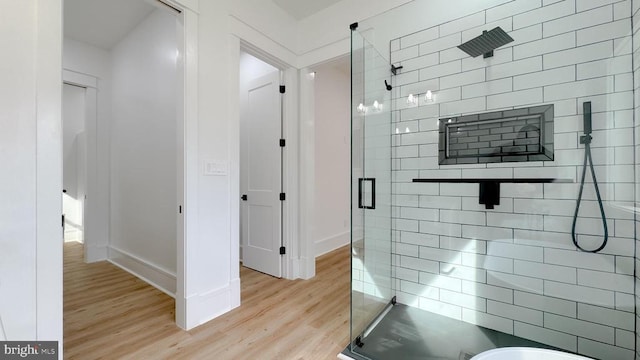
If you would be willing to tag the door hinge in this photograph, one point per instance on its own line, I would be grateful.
(283, 142)
(283, 196)
(283, 250)
(63, 220)
(180, 209)
(282, 89)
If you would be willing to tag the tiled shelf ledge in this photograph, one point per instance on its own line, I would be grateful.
(489, 193)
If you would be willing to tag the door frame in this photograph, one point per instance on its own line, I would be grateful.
(48, 160)
(187, 314)
(92, 252)
(187, 155)
(291, 261)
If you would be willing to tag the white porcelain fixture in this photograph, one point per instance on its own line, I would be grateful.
(525, 353)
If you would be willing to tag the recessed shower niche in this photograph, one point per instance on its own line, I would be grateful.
(524, 134)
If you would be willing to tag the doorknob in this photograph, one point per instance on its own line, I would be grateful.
(244, 197)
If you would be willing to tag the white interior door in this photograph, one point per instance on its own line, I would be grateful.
(260, 173)
(74, 161)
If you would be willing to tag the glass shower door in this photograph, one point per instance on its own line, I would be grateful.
(371, 291)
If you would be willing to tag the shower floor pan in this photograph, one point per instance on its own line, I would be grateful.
(409, 333)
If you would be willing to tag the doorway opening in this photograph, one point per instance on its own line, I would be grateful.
(79, 162)
(331, 143)
(74, 160)
(125, 187)
(262, 146)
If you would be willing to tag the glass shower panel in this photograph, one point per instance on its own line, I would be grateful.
(371, 189)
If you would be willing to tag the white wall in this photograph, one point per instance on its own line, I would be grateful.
(214, 285)
(143, 150)
(86, 59)
(273, 23)
(252, 68)
(332, 145)
(31, 153)
(18, 156)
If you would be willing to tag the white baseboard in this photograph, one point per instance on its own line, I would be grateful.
(73, 235)
(150, 273)
(201, 308)
(306, 268)
(3, 336)
(95, 253)
(236, 290)
(331, 243)
(294, 269)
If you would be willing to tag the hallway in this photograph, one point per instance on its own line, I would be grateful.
(111, 314)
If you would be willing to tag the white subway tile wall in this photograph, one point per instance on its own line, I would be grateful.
(514, 268)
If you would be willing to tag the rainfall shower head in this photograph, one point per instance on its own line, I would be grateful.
(486, 43)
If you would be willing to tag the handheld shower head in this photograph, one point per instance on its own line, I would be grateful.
(586, 112)
(588, 162)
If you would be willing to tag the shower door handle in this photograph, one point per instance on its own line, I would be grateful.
(365, 184)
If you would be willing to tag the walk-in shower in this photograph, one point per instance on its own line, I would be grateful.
(494, 196)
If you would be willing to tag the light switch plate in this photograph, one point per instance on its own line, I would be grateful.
(215, 168)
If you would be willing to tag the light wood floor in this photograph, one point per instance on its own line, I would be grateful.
(109, 314)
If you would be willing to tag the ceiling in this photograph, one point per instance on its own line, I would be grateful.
(300, 9)
(103, 23)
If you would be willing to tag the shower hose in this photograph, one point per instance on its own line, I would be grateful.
(586, 140)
